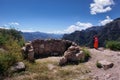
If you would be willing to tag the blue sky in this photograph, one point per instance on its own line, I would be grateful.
(57, 16)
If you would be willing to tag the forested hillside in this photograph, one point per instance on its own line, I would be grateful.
(110, 31)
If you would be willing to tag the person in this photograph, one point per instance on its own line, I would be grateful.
(95, 42)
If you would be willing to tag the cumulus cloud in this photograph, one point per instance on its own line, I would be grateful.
(105, 21)
(78, 26)
(101, 6)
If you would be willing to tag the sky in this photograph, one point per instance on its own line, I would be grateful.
(57, 16)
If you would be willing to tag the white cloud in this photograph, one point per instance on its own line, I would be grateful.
(27, 30)
(105, 21)
(3, 27)
(14, 24)
(101, 6)
(78, 26)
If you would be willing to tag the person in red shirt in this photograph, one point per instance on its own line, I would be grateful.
(95, 42)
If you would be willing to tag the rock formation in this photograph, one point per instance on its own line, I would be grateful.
(73, 54)
(70, 51)
(44, 48)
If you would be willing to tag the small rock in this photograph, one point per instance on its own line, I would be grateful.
(71, 48)
(19, 66)
(118, 54)
(70, 56)
(62, 61)
(106, 64)
(108, 76)
(80, 56)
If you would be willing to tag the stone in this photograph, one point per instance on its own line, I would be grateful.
(118, 54)
(62, 61)
(54, 54)
(31, 55)
(48, 47)
(105, 64)
(70, 56)
(19, 66)
(74, 44)
(53, 47)
(71, 48)
(80, 56)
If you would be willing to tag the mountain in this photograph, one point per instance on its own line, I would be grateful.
(28, 36)
(110, 31)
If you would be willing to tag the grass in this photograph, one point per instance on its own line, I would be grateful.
(113, 45)
(87, 54)
(40, 70)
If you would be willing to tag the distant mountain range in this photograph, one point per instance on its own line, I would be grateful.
(110, 31)
(29, 36)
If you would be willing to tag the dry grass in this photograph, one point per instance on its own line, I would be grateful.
(48, 69)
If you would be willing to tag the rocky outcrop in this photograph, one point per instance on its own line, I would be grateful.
(28, 52)
(50, 47)
(74, 54)
(44, 48)
(70, 51)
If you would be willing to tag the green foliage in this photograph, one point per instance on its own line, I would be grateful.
(12, 55)
(98, 65)
(6, 60)
(6, 34)
(113, 45)
(2, 40)
(87, 54)
(11, 41)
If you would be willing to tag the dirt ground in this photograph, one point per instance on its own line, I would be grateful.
(104, 54)
(82, 71)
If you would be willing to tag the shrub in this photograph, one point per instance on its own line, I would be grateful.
(113, 45)
(11, 41)
(87, 54)
(6, 60)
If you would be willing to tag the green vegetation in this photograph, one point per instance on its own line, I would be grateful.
(87, 54)
(11, 42)
(113, 45)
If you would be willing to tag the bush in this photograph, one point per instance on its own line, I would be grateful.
(87, 54)
(11, 41)
(113, 45)
(6, 60)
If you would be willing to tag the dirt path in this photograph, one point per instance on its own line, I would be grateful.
(101, 74)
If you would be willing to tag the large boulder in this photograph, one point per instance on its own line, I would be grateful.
(72, 54)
